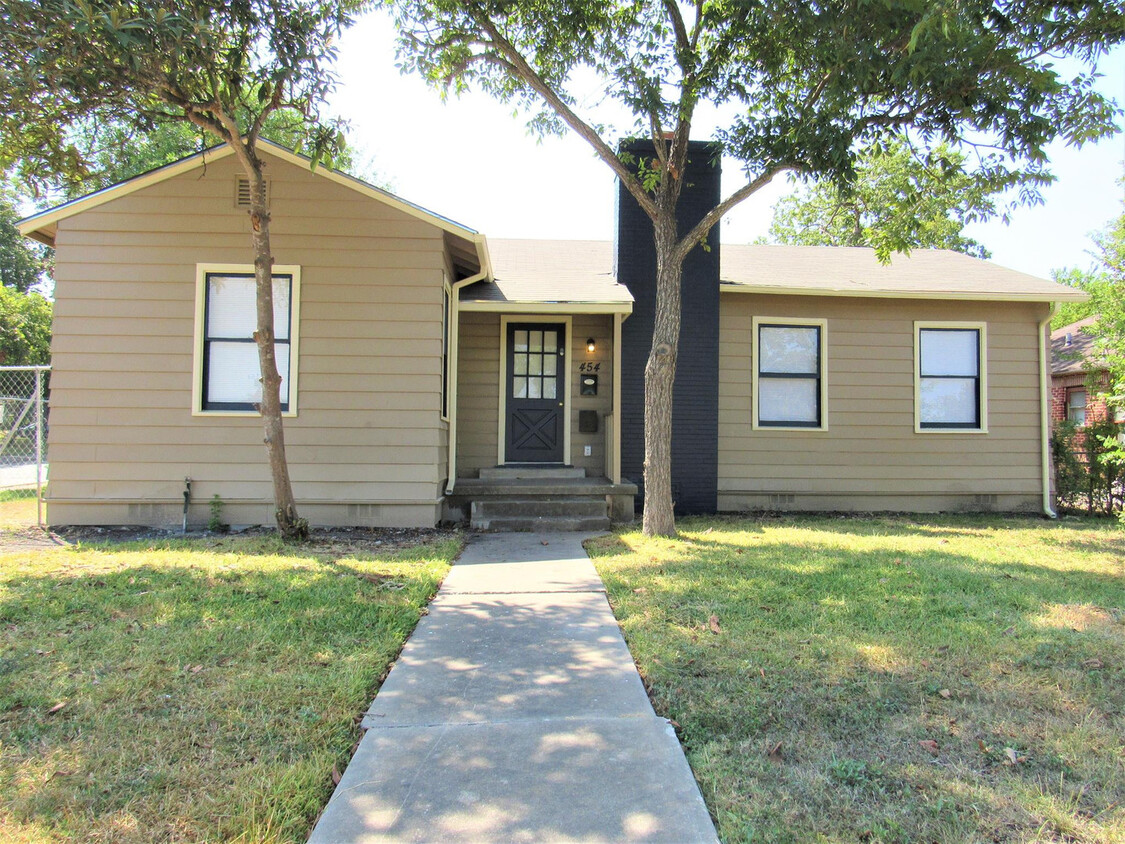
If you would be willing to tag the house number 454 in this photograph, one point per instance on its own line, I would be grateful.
(589, 366)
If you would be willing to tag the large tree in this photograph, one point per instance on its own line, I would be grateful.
(806, 86)
(1107, 294)
(899, 196)
(23, 264)
(221, 67)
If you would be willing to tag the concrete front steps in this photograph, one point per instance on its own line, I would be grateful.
(554, 498)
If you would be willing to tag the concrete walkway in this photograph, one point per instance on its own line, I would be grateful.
(515, 713)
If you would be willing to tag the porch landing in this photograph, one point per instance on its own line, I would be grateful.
(548, 498)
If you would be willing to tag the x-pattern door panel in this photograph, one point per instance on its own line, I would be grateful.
(535, 389)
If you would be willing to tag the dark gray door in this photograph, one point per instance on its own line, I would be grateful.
(535, 390)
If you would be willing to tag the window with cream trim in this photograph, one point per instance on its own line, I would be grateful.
(227, 373)
(789, 383)
(950, 377)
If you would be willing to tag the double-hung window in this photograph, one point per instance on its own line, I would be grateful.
(950, 377)
(789, 385)
(1076, 405)
(228, 373)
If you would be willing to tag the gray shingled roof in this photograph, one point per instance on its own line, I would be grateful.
(582, 271)
(1072, 349)
(542, 271)
(855, 271)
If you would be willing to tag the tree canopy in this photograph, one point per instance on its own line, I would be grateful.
(115, 150)
(899, 198)
(797, 86)
(25, 328)
(23, 264)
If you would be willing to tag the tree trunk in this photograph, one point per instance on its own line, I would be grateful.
(289, 524)
(660, 375)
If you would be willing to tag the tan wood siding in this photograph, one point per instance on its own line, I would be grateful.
(870, 456)
(368, 428)
(479, 385)
(600, 328)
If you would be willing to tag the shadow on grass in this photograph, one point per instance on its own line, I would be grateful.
(843, 644)
(197, 697)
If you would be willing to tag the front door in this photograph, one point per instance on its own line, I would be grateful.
(536, 367)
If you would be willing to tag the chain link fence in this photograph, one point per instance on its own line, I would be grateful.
(23, 429)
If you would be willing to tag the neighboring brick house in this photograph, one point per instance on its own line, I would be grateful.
(1074, 369)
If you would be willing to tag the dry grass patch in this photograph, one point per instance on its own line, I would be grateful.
(192, 690)
(18, 509)
(886, 680)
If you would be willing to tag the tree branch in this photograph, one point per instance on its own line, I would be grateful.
(581, 128)
(699, 231)
(683, 43)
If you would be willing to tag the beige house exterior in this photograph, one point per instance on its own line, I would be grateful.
(414, 341)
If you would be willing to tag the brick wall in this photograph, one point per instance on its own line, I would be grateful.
(1060, 384)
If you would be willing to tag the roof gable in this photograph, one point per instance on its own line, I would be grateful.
(44, 225)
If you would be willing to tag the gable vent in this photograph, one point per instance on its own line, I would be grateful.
(242, 192)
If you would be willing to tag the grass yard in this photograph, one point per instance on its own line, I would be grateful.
(18, 508)
(886, 680)
(193, 690)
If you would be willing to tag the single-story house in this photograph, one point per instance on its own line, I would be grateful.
(431, 373)
(1075, 368)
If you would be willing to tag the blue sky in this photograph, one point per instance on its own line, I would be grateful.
(473, 160)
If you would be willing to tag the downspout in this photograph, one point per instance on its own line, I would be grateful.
(455, 352)
(1044, 413)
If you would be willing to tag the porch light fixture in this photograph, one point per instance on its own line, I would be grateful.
(591, 346)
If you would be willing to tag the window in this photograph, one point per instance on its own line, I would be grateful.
(227, 372)
(1076, 405)
(789, 386)
(949, 377)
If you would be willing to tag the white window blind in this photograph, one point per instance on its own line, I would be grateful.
(949, 377)
(232, 376)
(789, 376)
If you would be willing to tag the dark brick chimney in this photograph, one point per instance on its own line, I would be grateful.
(695, 408)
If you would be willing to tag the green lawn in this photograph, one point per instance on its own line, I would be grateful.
(18, 509)
(886, 680)
(192, 690)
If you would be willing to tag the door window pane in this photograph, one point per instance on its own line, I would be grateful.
(549, 388)
(519, 388)
(521, 341)
(535, 341)
(550, 341)
(533, 388)
(550, 365)
(535, 365)
(519, 365)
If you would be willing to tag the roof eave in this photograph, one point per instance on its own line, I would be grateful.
(778, 290)
(534, 307)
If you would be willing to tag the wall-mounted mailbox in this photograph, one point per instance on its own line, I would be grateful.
(587, 421)
(589, 384)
